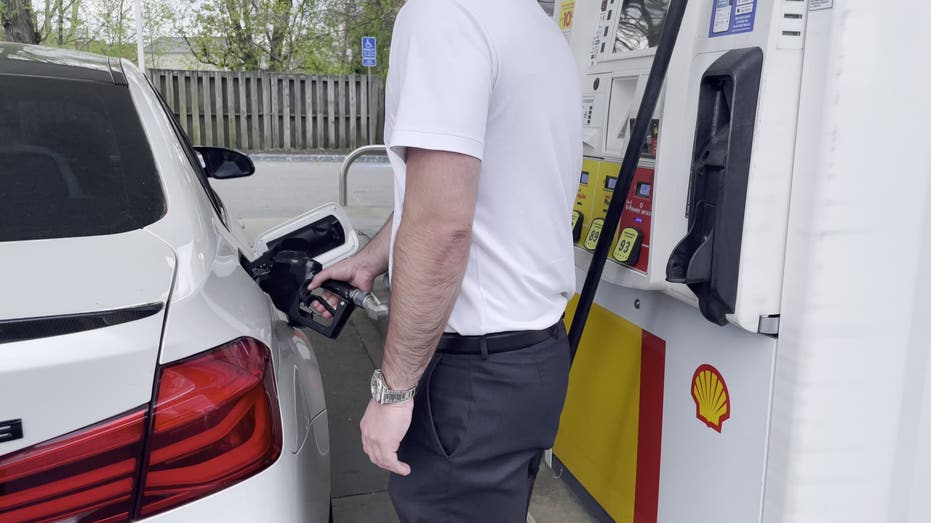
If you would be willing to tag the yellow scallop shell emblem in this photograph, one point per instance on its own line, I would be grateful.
(712, 401)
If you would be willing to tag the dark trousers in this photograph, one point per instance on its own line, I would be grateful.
(479, 430)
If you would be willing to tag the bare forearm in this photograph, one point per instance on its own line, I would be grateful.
(378, 248)
(431, 252)
(430, 260)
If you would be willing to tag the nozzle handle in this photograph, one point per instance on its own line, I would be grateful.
(303, 313)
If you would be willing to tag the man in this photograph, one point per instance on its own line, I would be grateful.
(483, 127)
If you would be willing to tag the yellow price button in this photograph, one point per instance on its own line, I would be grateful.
(628, 246)
(591, 241)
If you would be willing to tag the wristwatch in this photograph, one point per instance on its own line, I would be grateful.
(382, 394)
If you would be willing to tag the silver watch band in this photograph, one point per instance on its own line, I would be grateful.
(386, 396)
(396, 396)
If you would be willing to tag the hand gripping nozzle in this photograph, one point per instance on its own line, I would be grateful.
(290, 275)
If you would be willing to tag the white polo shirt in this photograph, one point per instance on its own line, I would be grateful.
(495, 79)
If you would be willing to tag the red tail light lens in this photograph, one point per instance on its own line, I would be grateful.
(84, 476)
(216, 423)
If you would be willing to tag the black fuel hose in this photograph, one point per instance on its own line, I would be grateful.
(667, 43)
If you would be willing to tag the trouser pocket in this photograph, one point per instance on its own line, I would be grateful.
(449, 402)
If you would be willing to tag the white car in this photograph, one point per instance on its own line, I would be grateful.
(144, 374)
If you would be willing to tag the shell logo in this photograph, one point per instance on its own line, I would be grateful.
(712, 401)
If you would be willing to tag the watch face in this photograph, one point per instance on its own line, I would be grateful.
(374, 385)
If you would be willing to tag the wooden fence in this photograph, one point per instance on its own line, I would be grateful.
(274, 112)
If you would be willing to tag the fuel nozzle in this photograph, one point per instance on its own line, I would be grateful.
(368, 301)
(287, 280)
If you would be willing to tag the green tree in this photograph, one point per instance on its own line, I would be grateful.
(318, 36)
(349, 21)
(321, 36)
(18, 21)
(61, 22)
(160, 22)
(250, 34)
(375, 18)
(115, 28)
(106, 26)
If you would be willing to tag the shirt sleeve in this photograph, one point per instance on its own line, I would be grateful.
(445, 71)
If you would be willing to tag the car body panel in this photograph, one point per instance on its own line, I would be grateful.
(34, 60)
(88, 274)
(222, 305)
(60, 384)
(214, 300)
(299, 375)
(192, 261)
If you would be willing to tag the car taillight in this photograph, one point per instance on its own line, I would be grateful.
(86, 475)
(215, 422)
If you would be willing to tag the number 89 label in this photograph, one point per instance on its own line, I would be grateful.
(591, 241)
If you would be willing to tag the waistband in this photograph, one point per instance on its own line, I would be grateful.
(452, 343)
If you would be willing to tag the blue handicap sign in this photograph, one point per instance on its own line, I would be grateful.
(369, 51)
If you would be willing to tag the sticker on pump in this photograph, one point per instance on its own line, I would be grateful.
(578, 219)
(591, 241)
(628, 246)
(728, 18)
(566, 13)
(712, 400)
(721, 17)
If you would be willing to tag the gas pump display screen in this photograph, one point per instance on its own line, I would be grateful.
(640, 24)
(644, 189)
(584, 179)
(610, 183)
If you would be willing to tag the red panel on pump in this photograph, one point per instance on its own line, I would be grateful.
(649, 440)
(638, 215)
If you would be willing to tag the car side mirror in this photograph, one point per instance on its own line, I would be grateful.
(222, 164)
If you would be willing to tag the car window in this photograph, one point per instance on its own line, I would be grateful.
(74, 161)
(192, 157)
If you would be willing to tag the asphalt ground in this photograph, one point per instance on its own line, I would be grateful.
(283, 188)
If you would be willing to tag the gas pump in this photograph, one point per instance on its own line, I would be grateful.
(680, 340)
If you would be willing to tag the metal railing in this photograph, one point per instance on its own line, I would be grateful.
(347, 163)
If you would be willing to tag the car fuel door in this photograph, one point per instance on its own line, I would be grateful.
(324, 234)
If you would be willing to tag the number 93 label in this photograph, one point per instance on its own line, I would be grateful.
(628, 246)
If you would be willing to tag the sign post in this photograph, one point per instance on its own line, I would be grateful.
(140, 54)
(370, 60)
